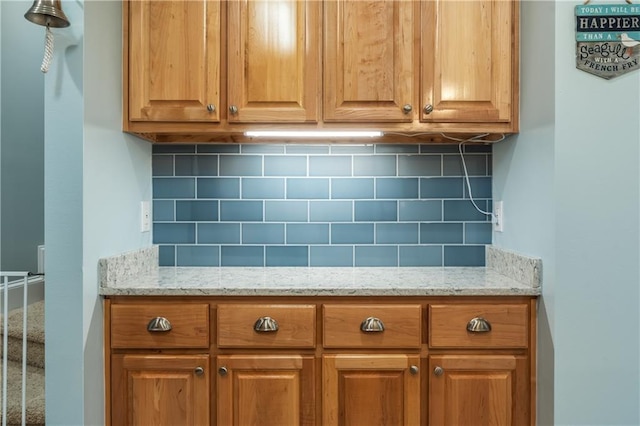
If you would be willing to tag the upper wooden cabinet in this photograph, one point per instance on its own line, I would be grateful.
(209, 70)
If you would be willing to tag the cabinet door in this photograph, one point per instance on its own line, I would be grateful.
(478, 389)
(467, 53)
(174, 55)
(371, 390)
(266, 390)
(273, 60)
(369, 60)
(162, 390)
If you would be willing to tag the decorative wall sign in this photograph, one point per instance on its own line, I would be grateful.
(607, 39)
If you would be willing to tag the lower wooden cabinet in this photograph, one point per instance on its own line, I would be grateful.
(320, 361)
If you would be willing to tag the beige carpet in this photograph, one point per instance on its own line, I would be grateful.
(35, 413)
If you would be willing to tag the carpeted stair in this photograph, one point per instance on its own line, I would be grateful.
(35, 366)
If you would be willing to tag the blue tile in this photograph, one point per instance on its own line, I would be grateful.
(476, 165)
(441, 187)
(331, 211)
(281, 165)
(420, 255)
(196, 210)
(352, 188)
(242, 256)
(162, 165)
(441, 233)
(376, 211)
(436, 149)
(196, 165)
(287, 256)
(352, 233)
(262, 233)
(419, 165)
(307, 149)
(329, 165)
(173, 233)
(478, 148)
(262, 188)
(285, 211)
(396, 188)
(240, 165)
(352, 149)
(374, 165)
(163, 210)
(480, 187)
(218, 188)
(262, 148)
(420, 211)
(464, 256)
(463, 210)
(174, 188)
(239, 211)
(198, 256)
(307, 233)
(478, 233)
(307, 189)
(172, 149)
(167, 256)
(376, 256)
(331, 256)
(397, 233)
(218, 233)
(396, 149)
(226, 148)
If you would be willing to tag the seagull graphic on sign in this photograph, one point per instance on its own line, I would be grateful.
(628, 42)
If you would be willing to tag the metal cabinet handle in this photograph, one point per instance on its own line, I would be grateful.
(478, 325)
(223, 371)
(407, 108)
(428, 109)
(211, 108)
(159, 324)
(372, 325)
(414, 370)
(438, 371)
(265, 325)
(199, 371)
(233, 109)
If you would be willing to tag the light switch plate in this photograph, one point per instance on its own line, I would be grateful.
(498, 216)
(145, 216)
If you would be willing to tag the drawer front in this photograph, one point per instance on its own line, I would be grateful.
(278, 326)
(189, 325)
(401, 326)
(508, 326)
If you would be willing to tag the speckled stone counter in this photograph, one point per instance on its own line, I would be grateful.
(136, 274)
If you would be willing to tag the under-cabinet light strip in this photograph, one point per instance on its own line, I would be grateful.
(313, 134)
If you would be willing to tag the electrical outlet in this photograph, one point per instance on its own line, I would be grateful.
(498, 216)
(145, 216)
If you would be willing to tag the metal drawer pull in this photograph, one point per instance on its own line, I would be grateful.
(372, 325)
(414, 370)
(159, 324)
(265, 325)
(438, 371)
(478, 325)
(223, 371)
(199, 371)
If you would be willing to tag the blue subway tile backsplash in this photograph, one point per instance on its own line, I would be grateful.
(320, 205)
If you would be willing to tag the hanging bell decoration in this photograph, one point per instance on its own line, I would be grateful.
(47, 13)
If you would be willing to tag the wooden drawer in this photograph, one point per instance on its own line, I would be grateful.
(189, 325)
(342, 326)
(296, 326)
(508, 322)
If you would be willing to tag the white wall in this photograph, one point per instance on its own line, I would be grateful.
(99, 176)
(571, 187)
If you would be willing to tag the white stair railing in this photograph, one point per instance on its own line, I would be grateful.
(13, 280)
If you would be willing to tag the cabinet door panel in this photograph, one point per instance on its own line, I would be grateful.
(370, 390)
(478, 389)
(266, 390)
(162, 390)
(467, 49)
(274, 54)
(174, 54)
(368, 60)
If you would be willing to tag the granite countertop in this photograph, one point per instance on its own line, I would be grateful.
(137, 274)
